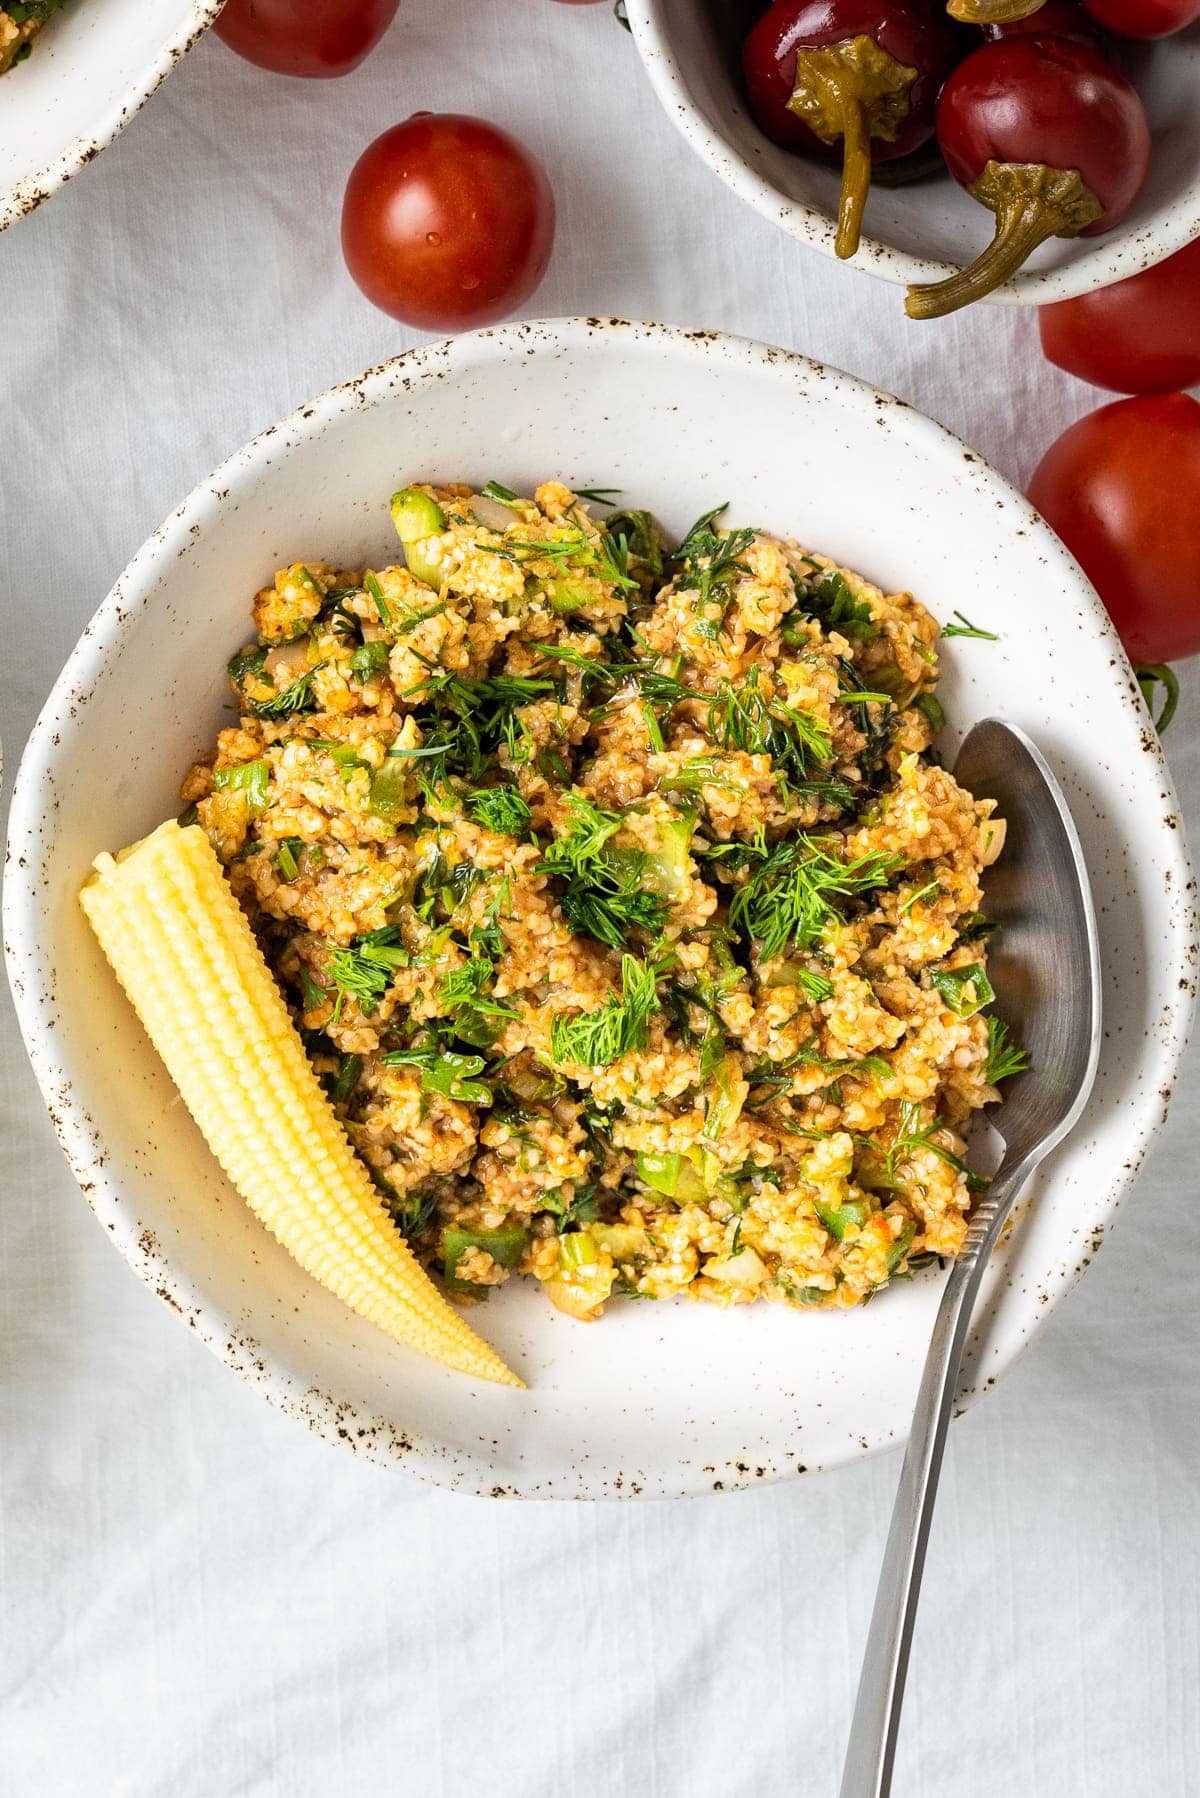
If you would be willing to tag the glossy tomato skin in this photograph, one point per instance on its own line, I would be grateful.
(1055, 18)
(915, 32)
(1046, 100)
(1145, 18)
(1122, 489)
(1141, 335)
(448, 222)
(320, 38)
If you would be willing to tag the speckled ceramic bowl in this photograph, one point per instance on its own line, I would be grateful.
(92, 67)
(691, 49)
(655, 1399)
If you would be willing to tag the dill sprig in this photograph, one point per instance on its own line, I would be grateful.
(749, 719)
(296, 698)
(1003, 1058)
(790, 897)
(602, 889)
(596, 1039)
(710, 560)
(964, 628)
(365, 970)
(501, 809)
(912, 1135)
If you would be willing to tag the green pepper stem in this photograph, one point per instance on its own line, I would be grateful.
(993, 12)
(1032, 202)
(856, 179)
(854, 91)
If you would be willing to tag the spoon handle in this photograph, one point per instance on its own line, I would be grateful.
(876, 1722)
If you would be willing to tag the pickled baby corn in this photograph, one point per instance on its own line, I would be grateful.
(182, 949)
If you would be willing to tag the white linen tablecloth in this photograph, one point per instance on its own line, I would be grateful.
(199, 1598)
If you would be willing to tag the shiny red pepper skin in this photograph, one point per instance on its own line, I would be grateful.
(1145, 18)
(1056, 18)
(915, 32)
(1045, 100)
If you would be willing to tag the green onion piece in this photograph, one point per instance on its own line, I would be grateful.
(250, 778)
(415, 515)
(285, 857)
(389, 789)
(577, 1250)
(836, 1218)
(347, 1078)
(674, 1176)
(931, 706)
(505, 1246)
(964, 990)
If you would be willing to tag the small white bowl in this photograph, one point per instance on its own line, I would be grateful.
(691, 49)
(93, 65)
(655, 1399)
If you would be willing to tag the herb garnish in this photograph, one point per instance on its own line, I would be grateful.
(964, 628)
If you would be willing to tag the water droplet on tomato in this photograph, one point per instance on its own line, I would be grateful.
(434, 238)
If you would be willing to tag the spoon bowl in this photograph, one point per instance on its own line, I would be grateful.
(1044, 961)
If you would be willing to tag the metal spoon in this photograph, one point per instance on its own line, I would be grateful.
(1046, 968)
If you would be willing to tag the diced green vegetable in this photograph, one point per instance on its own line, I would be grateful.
(348, 1076)
(577, 1250)
(674, 1176)
(250, 778)
(389, 789)
(566, 595)
(369, 661)
(726, 1100)
(623, 1242)
(965, 990)
(836, 1218)
(505, 1246)
(417, 517)
(900, 1247)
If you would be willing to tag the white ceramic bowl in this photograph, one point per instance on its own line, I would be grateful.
(654, 1399)
(691, 49)
(92, 67)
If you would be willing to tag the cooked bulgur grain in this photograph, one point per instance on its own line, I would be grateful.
(631, 920)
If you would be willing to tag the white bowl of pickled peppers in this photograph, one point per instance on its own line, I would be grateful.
(1046, 155)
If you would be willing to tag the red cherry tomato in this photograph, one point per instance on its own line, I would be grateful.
(1138, 336)
(448, 222)
(305, 37)
(1145, 18)
(1122, 489)
(1056, 18)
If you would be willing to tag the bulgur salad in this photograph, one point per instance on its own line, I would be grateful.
(20, 22)
(628, 916)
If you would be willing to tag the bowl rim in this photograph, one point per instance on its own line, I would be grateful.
(1113, 258)
(29, 963)
(30, 191)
